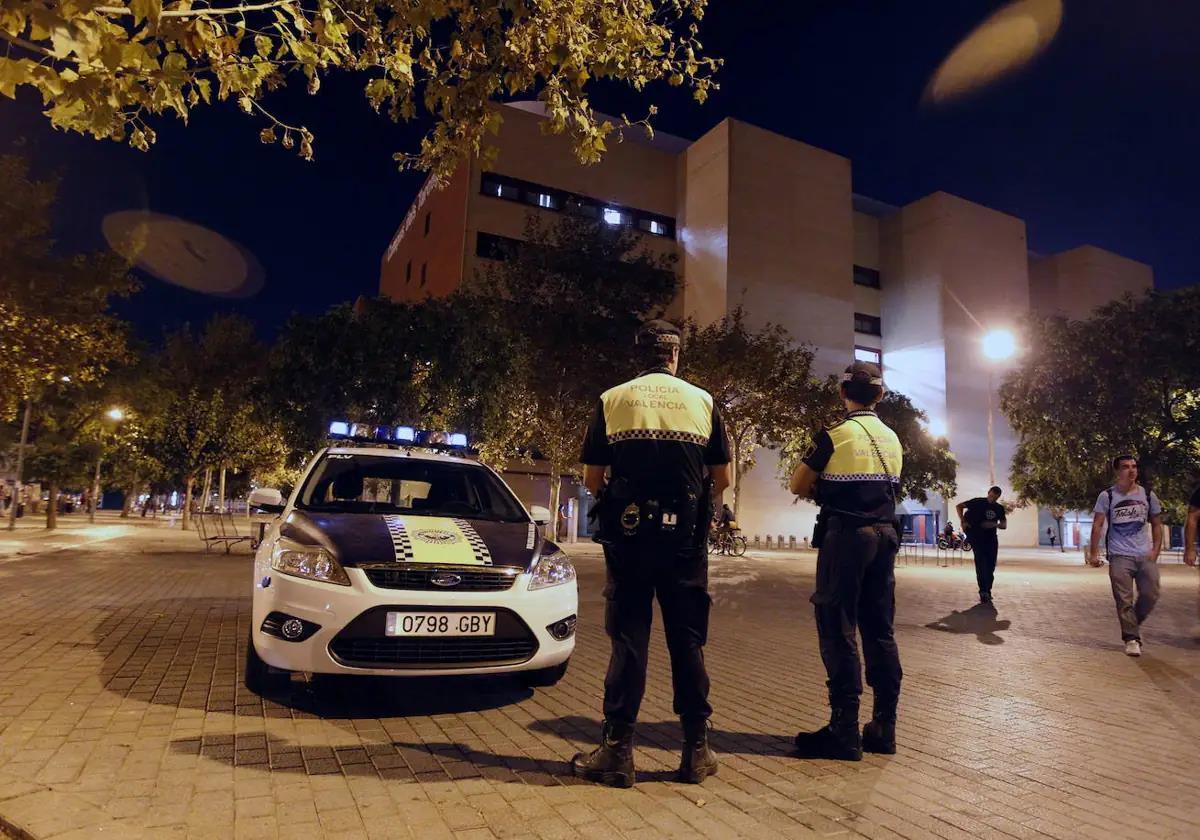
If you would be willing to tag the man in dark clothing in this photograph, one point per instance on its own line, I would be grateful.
(853, 471)
(663, 443)
(980, 518)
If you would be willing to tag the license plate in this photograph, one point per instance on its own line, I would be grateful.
(441, 624)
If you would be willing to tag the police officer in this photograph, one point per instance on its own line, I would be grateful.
(664, 446)
(853, 472)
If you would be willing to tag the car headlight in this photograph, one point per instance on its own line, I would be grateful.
(308, 562)
(551, 570)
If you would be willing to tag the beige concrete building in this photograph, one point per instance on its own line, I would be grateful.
(763, 220)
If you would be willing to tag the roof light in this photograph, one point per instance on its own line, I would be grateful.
(339, 427)
(406, 433)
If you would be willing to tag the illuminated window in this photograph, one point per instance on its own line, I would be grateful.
(867, 354)
(613, 216)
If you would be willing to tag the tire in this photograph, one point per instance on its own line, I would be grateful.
(942, 544)
(737, 546)
(260, 677)
(966, 545)
(545, 677)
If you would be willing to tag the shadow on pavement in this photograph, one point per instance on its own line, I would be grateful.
(668, 735)
(980, 621)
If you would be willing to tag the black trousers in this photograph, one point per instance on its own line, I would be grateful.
(636, 574)
(986, 549)
(856, 592)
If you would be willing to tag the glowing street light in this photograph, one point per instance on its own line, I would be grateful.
(938, 427)
(115, 414)
(998, 345)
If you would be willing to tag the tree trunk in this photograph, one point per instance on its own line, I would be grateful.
(207, 489)
(221, 490)
(130, 493)
(555, 492)
(737, 481)
(20, 473)
(187, 502)
(52, 508)
(1061, 548)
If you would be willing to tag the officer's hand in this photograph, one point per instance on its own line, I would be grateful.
(1189, 556)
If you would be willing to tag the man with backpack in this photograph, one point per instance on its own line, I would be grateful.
(1132, 540)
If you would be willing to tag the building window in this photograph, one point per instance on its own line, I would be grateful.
(408, 272)
(490, 246)
(866, 277)
(657, 225)
(545, 200)
(867, 324)
(423, 275)
(498, 187)
(867, 354)
(427, 215)
(613, 216)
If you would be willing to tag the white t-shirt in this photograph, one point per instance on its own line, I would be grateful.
(1128, 519)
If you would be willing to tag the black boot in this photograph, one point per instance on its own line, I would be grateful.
(879, 734)
(838, 739)
(611, 763)
(699, 761)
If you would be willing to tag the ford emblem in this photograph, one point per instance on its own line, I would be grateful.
(445, 579)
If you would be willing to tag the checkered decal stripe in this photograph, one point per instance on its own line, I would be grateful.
(400, 539)
(658, 434)
(859, 477)
(478, 546)
(529, 541)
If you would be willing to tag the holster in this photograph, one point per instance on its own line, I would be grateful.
(626, 515)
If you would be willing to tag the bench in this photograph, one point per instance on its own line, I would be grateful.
(218, 529)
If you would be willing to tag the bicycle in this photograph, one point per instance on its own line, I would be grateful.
(730, 543)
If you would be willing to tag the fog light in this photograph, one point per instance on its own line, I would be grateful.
(292, 629)
(288, 627)
(563, 629)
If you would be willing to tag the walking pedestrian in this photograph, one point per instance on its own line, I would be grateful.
(853, 472)
(1132, 541)
(980, 518)
(663, 443)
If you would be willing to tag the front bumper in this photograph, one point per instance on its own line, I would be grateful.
(350, 638)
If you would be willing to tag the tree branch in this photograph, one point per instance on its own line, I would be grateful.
(25, 45)
(193, 13)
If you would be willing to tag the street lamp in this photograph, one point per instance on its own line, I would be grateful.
(998, 345)
(116, 415)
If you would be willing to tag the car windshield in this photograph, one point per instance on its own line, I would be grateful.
(352, 483)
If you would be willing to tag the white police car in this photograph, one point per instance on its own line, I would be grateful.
(398, 555)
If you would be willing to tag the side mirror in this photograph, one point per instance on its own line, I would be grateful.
(540, 514)
(266, 499)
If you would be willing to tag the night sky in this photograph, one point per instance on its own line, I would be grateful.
(1095, 142)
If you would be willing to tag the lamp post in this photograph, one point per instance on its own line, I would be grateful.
(998, 345)
(116, 415)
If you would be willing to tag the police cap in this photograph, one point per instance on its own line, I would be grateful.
(867, 373)
(657, 332)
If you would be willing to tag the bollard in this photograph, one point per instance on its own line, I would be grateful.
(791, 542)
(768, 542)
(757, 541)
(779, 543)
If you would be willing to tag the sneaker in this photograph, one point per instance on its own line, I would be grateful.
(1133, 647)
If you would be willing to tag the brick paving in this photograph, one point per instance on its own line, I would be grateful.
(122, 714)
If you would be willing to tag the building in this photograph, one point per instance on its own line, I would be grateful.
(774, 224)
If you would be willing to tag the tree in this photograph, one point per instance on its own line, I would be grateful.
(761, 381)
(107, 67)
(569, 302)
(54, 317)
(1126, 381)
(929, 466)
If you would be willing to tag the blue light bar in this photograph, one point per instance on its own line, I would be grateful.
(458, 439)
(339, 427)
(406, 433)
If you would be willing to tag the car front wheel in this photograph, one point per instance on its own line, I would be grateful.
(260, 677)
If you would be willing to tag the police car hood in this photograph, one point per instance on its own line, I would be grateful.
(356, 539)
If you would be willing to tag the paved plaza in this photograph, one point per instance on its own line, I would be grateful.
(122, 714)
